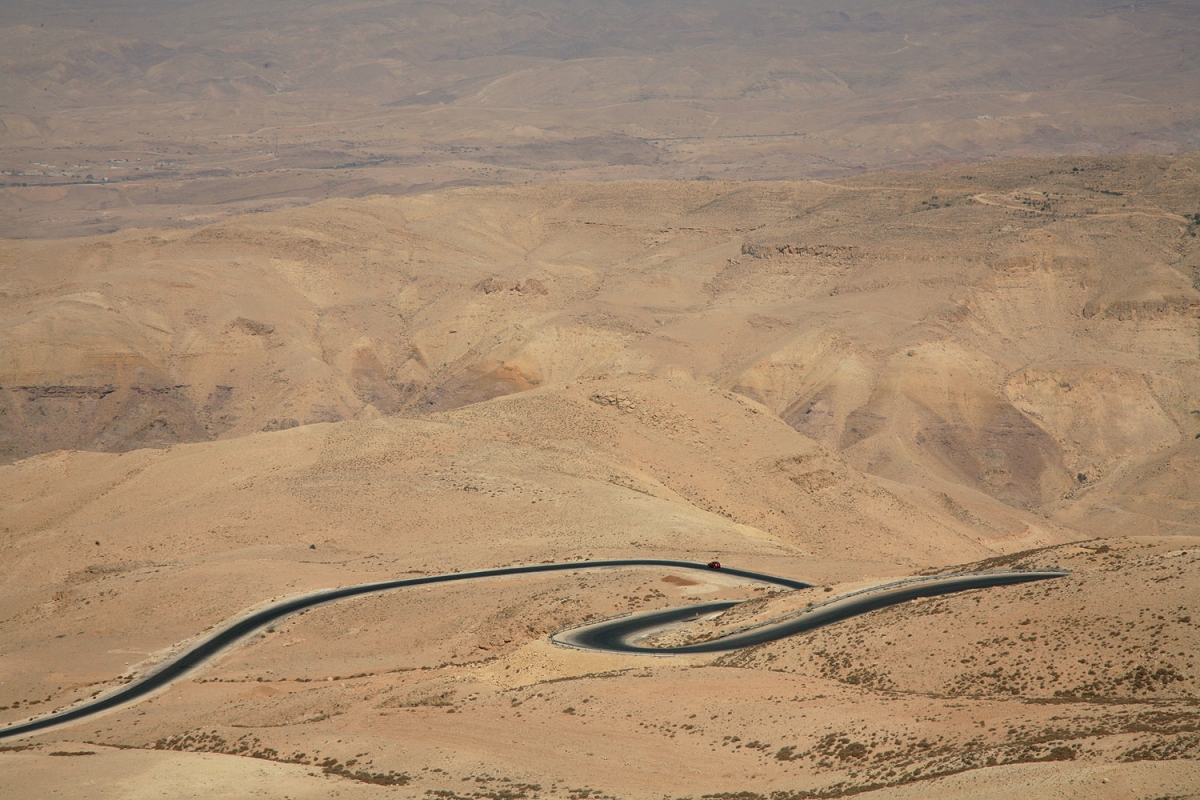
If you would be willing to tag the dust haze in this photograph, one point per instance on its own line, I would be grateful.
(304, 295)
(151, 113)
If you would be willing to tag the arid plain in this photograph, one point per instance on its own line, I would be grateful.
(121, 113)
(846, 377)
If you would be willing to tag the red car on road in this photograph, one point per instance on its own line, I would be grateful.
(714, 565)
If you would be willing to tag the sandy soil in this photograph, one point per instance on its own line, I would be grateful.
(844, 382)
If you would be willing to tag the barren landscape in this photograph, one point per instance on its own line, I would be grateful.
(894, 329)
(119, 113)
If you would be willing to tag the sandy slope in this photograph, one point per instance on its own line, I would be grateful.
(827, 381)
(928, 337)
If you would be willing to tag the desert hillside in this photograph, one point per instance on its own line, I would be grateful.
(986, 341)
(843, 381)
(300, 296)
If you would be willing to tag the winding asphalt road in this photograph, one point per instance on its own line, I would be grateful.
(615, 635)
(620, 634)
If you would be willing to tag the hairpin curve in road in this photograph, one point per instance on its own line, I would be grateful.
(613, 635)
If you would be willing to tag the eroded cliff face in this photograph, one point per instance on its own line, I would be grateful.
(940, 330)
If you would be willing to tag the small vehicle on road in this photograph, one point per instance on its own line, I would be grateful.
(714, 565)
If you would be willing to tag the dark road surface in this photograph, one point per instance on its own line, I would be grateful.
(620, 634)
(612, 635)
(244, 627)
